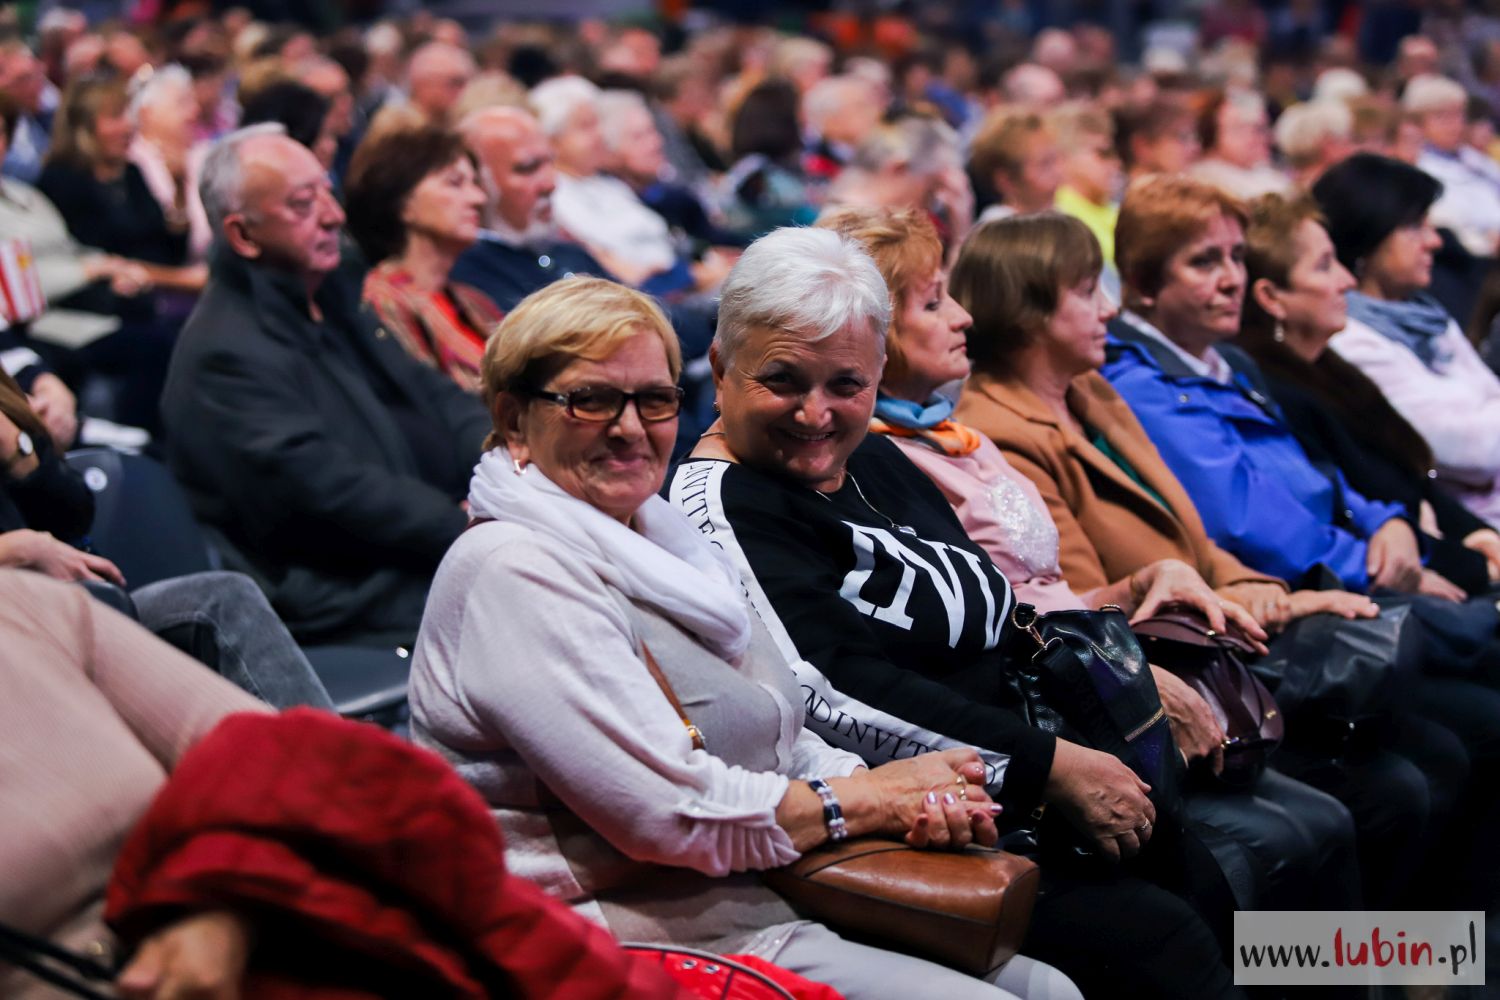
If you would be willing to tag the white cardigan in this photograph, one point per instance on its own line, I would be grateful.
(1456, 410)
(528, 673)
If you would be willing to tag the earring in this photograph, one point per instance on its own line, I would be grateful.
(1278, 334)
(716, 406)
(515, 463)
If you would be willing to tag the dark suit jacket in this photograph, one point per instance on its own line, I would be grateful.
(294, 441)
(507, 274)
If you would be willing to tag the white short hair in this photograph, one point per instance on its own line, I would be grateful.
(221, 186)
(613, 105)
(1302, 129)
(1428, 92)
(1340, 83)
(555, 100)
(814, 282)
(155, 86)
(830, 96)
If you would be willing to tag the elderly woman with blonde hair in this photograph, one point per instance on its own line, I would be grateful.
(562, 625)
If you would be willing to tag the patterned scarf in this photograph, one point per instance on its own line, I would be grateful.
(927, 422)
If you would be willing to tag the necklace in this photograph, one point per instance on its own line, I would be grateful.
(903, 528)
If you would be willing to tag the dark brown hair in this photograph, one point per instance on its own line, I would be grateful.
(1010, 276)
(385, 170)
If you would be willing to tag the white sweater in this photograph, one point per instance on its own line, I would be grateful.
(1457, 410)
(528, 673)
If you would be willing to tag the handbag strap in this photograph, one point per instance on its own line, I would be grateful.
(33, 954)
(699, 743)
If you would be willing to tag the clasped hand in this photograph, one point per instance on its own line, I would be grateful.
(937, 800)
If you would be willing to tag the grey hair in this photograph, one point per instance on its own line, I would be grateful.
(1303, 128)
(925, 145)
(555, 100)
(815, 282)
(831, 95)
(1431, 91)
(612, 105)
(157, 83)
(221, 185)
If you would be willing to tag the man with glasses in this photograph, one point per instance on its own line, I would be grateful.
(333, 462)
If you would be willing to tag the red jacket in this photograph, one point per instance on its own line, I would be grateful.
(370, 868)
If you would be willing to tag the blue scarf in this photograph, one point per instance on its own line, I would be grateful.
(913, 416)
(1418, 324)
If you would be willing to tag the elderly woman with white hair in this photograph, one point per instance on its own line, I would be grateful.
(601, 211)
(1313, 136)
(897, 623)
(1470, 201)
(588, 661)
(636, 154)
(164, 109)
(912, 163)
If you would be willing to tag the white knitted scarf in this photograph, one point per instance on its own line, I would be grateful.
(661, 561)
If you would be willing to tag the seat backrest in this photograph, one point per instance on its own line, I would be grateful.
(142, 519)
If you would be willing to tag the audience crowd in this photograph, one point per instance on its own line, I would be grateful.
(690, 410)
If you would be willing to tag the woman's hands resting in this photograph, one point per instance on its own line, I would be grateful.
(1393, 559)
(24, 548)
(200, 957)
(1275, 609)
(930, 807)
(1171, 581)
(1195, 730)
(1102, 797)
(920, 800)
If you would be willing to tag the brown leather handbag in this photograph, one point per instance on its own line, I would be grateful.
(1213, 664)
(965, 909)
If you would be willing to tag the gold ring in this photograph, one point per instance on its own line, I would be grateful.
(963, 787)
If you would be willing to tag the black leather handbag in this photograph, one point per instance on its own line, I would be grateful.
(1347, 670)
(1087, 681)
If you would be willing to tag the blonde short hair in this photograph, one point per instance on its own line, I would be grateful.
(1004, 140)
(577, 317)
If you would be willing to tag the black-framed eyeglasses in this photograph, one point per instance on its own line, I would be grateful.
(603, 404)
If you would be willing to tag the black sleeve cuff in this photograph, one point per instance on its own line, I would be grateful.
(1026, 775)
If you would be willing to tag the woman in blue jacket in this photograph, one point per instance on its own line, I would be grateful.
(1260, 496)
(1180, 246)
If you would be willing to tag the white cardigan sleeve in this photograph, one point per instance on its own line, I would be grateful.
(1457, 411)
(812, 757)
(546, 659)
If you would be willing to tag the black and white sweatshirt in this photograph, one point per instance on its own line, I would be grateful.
(890, 615)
